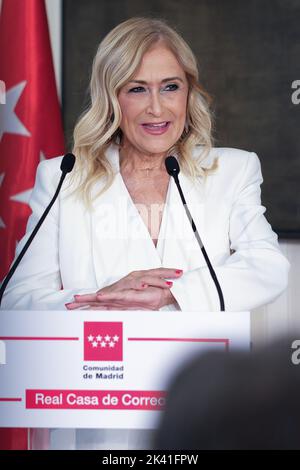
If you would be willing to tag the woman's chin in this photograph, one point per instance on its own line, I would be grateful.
(157, 148)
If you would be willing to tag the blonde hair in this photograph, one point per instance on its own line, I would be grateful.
(117, 59)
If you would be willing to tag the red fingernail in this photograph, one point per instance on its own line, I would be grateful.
(178, 271)
(169, 283)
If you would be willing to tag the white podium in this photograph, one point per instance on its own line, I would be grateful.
(97, 379)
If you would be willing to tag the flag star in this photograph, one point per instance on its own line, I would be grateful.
(116, 338)
(2, 224)
(103, 344)
(99, 338)
(107, 338)
(23, 197)
(111, 344)
(9, 121)
(90, 338)
(95, 344)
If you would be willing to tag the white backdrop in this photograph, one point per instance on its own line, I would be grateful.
(281, 316)
(54, 12)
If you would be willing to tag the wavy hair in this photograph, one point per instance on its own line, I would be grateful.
(118, 57)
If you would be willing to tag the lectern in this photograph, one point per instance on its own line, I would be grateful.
(95, 378)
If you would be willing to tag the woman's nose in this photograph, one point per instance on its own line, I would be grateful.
(154, 105)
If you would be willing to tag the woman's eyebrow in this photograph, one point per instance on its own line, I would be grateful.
(144, 82)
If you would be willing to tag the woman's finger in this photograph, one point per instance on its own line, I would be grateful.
(88, 307)
(116, 296)
(156, 281)
(166, 273)
(92, 305)
(86, 297)
(132, 298)
(76, 305)
(126, 299)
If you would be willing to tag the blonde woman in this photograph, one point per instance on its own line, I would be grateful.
(118, 237)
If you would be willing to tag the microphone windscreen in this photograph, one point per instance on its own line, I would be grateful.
(172, 165)
(67, 163)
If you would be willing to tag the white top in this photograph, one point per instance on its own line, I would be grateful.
(77, 251)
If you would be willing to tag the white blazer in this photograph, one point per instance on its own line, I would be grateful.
(77, 251)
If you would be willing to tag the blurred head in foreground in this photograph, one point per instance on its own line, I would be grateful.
(235, 400)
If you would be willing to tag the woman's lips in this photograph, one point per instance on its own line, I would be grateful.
(156, 128)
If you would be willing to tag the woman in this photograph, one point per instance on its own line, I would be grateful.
(118, 238)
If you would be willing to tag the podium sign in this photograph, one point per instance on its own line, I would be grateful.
(92, 369)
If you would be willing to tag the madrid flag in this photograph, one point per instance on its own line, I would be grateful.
(30, 122)
(30, 118)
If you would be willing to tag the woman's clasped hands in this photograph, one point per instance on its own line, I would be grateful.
(139, 290)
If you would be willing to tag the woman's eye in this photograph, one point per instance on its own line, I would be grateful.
(136, 89)
(171, 87)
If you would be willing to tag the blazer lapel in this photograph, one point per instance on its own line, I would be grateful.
(181, 249)
(120, 241)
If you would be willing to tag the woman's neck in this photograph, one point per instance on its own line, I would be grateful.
(131, 160)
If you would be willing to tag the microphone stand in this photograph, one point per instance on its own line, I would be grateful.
(66, 166)
(173, 169)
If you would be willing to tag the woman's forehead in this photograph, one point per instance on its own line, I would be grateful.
(161, 63)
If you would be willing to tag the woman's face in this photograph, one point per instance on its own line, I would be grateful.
(153, 103)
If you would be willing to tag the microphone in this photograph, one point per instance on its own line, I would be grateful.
(173, 169)
(66, 166)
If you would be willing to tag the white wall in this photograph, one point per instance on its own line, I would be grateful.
(54, 12)
(281, 316)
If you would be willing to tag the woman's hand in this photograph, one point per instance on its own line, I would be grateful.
(139, 290)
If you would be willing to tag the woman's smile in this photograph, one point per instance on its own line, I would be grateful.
(154, 128)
